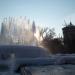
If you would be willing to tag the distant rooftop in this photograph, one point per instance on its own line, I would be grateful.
(70, 25)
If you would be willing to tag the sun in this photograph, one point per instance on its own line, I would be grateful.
(37, 35)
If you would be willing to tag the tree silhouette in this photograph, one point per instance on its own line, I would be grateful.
(54, 45)
(47, 33)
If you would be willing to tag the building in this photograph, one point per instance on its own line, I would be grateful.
(69, 37)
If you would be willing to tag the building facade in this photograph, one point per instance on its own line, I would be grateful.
(69, 37)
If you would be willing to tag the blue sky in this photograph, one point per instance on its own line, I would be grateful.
(51, 13)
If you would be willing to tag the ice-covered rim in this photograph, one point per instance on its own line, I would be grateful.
(22, 51)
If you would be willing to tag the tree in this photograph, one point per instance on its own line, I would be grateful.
(54, 45)
(47, 33)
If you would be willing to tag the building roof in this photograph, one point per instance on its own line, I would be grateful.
(69, 26)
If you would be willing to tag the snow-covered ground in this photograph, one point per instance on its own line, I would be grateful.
(59, 68)
(53, 70)
(47, 70)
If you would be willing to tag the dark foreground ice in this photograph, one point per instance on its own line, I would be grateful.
(37, 61)
(46, 70)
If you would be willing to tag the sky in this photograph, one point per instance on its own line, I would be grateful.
(45, 13)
